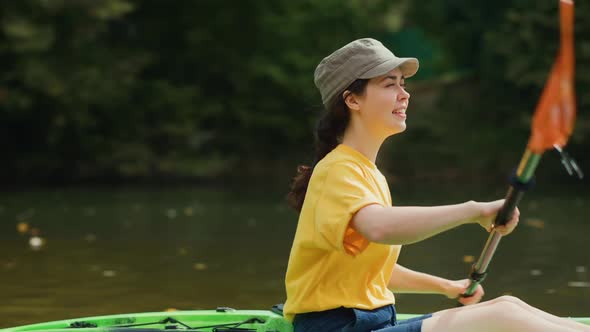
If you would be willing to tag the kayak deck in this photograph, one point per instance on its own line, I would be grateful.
(221, 320)
(197, 320)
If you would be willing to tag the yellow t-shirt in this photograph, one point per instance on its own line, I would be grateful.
(332, 265)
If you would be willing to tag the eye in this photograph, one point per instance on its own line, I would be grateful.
(403, 85)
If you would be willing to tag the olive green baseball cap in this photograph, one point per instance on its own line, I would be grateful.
(363, 58)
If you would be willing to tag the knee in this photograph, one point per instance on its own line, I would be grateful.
(506, 314)
(509, 306)
(507, 309)
(511, 299)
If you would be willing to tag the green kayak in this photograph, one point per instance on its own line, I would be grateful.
(220, 320)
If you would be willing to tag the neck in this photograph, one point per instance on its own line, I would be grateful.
(358, 139)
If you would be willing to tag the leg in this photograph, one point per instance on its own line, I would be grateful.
(537, 312)
(501, 315)
(547, 316)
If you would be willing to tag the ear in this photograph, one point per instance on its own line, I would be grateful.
(351, 100)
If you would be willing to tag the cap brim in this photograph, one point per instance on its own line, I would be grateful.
(408, 66)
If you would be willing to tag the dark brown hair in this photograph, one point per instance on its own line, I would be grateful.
(329, 132)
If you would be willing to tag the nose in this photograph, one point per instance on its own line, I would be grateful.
(404, 95)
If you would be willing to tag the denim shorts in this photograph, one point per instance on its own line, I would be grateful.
(356, 320)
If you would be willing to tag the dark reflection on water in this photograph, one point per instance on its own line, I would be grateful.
(133, 250)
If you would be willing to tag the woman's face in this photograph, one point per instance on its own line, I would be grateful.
(382, 108)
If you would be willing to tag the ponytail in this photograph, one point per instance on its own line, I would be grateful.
(329, 133)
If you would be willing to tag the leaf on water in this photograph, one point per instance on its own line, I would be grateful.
(188, 211)
(22, 227)
(536, 273)
(468, 259)
(109, 273)
(580, 284)
(535, 223)
(200, 266)
(182, 251)
(171, 213)
(36, 242)
(170, 309)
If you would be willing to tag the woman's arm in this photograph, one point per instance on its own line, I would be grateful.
(404, 280)
(409, 224)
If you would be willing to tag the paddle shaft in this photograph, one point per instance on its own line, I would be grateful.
(524, 174)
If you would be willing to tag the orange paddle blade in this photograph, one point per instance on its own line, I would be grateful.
(555, 115)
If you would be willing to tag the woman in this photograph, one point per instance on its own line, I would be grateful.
(342, 268)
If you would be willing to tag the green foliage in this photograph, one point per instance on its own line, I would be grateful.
(140, 88)
(508, 47)
(137, 88)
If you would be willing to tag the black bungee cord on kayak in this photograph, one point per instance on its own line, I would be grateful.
(226, 327)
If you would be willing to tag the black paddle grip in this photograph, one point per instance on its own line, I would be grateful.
(513, 197)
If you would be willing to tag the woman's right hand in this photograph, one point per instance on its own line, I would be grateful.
(488, 212)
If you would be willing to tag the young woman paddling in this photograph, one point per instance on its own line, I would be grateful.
(342, 268)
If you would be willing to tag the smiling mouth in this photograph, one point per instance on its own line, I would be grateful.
(401, 112)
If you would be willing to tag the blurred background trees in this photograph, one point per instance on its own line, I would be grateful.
(123, 89)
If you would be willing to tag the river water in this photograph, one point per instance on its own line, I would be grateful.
(68, 253)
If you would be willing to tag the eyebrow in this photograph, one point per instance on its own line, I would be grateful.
(393, 77)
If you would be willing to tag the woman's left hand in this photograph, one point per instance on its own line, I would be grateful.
(458, 287)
